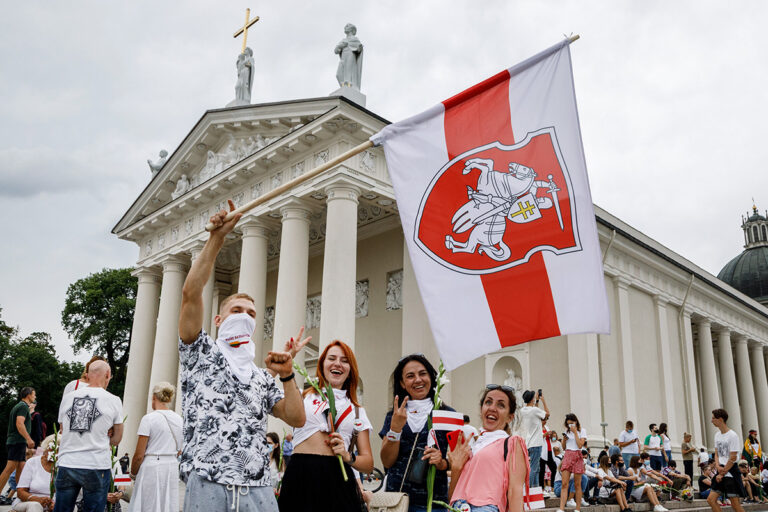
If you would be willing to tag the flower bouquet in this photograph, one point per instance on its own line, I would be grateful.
(327, 396)
(53, 455)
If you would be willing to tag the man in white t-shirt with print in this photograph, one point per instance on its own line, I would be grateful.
(727, 481)
(530, 427)
(92, 422)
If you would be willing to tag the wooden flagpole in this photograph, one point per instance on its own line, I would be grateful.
(294, 182)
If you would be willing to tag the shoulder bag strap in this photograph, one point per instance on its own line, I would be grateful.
(410, 457)
(175, 440)
(353, 440)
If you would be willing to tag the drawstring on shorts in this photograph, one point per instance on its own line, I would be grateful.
(237, 491)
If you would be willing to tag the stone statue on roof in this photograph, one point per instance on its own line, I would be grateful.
(245, 66)
(156, 166)
(350, 52)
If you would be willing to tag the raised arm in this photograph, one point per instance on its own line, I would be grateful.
(191, 317)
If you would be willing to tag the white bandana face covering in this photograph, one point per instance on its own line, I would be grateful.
(236, 345)
(418, 412)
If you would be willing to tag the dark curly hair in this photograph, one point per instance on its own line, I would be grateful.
(397, 376)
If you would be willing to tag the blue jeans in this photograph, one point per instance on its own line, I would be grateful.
(483, 508)
(534, 454)
(669, 458)
(571, 488)
(657, 461)
(93, 482)
(627, 458)
(704, 493)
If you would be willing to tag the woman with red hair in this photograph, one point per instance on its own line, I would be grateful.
(313, 480)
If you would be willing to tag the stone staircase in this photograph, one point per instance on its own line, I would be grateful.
(697, 505)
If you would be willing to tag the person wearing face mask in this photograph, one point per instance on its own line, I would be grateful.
(642, 476)
(619, 471)
(404, 450)
(226, 397)
(491, 474)
(276, 465)
(629, 443)
(574, 439)
(653, 445)
(313, 480)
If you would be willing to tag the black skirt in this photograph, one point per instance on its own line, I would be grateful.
(313, 483)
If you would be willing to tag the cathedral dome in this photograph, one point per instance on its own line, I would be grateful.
(748, 272)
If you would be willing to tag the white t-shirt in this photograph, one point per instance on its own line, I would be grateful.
(764, 475)
(571, 444)
(558, 477)
(724, 445)
(314, 408)
(35, 478)
(632, 447)
(703, 457)
(667, 442)
(73, 385)
(86, 415)
(530, 426)
(155, 426)
(604, 491)
(654, 444)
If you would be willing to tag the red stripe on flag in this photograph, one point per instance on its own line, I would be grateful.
(519, 298)
(342, 417)
(441, 420)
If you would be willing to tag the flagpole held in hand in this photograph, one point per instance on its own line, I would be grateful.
(294, 182)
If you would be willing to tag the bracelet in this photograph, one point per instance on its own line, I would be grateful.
(286, 379)
(393, 436)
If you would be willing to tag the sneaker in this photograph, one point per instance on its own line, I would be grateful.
(659, 508)
(584, 503)
(570, 503)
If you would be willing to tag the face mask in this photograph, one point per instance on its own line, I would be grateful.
(236, 346)
(647, 463)
(620, 464)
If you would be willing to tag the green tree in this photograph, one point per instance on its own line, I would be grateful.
(31, 361)
(98, 315)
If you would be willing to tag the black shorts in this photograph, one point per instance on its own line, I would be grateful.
(730, 487)
(17, 451)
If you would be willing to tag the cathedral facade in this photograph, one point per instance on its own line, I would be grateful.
(329, 254)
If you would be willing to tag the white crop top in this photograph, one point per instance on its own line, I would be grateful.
(317, 420)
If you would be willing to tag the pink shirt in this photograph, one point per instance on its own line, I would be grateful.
(485, 477)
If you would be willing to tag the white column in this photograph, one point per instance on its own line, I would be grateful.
(165, 359)
(293, 269)
(253, 276)
(760, 382)
(668, 390)
(584, 375)
(691, 396)
(337, 306)
(728, 379)
(140, 356)
(219, 291)
(745, 387)
(709, 392)
(625, 349)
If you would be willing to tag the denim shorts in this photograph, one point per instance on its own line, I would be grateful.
(483, 508)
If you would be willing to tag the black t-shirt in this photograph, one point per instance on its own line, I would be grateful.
(702, 485)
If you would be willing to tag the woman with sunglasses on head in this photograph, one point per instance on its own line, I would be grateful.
(404, 451)
(491, 474)
(313, 480)
(574, 439)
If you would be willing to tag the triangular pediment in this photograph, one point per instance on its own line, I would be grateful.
(252, 139)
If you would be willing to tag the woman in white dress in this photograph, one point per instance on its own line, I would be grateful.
(155, 465)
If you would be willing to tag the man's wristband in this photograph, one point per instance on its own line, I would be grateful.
(393, 436)
(286, 379)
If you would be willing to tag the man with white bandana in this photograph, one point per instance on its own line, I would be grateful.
(226, 398)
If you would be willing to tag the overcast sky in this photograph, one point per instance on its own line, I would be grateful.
(671, 98)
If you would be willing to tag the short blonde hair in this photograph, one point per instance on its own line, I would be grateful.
(227, 300)
(164, 391)
(47, 442)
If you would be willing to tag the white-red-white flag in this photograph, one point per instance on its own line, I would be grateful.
(447, 420)
(494, 199)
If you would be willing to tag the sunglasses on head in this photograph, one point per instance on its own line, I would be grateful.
(507, 389)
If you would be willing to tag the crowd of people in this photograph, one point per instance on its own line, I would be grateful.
(222, 451)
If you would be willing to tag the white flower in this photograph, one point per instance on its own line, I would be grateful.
(442, 380)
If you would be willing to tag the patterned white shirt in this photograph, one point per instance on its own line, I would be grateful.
(225, 420)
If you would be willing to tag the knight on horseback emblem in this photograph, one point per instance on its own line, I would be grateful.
(496, 206)
(499, 197)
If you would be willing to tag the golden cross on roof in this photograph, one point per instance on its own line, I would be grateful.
(244, 29)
